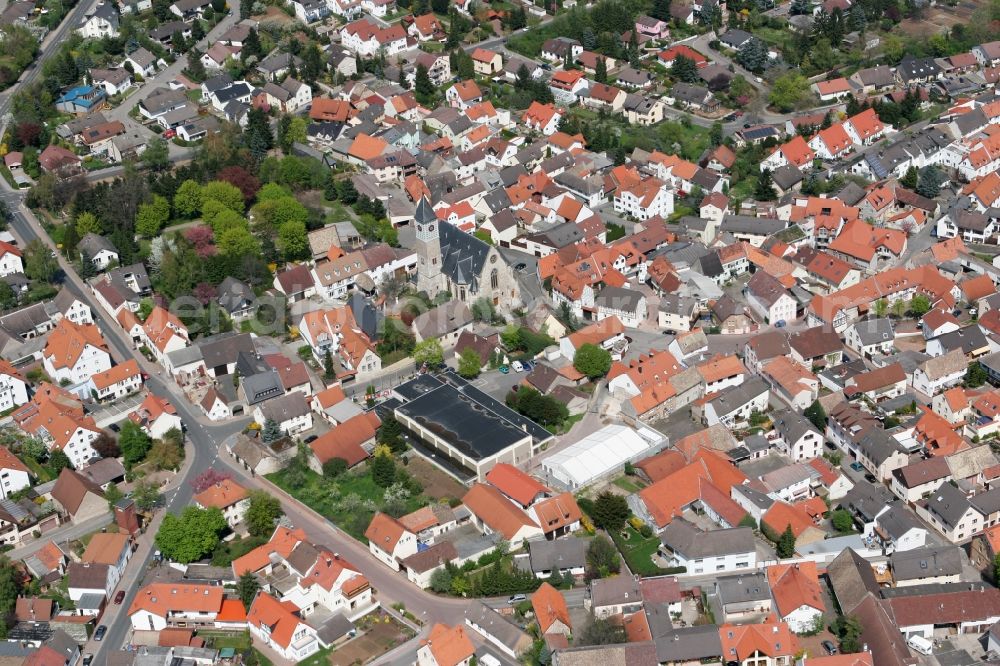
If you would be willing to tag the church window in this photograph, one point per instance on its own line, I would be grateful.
(494, 279)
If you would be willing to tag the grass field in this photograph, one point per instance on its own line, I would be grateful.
(638, 552)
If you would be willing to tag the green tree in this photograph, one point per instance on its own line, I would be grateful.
(271, 432)
(225, 193)
(112, 495)
(58, 461)
(660, 10)
(39, 264)
(684, 69)
(238, 242)
(293, 239)
(602, 557)
(469, 363)
(334, 467)
(156, 157)
(428, 352)
(423, 88)
(329, 372)
(601, 632)
(441, 580)
(87, 223)
(187, 199)
(134, 443)
(753, 55)
(247, 588)
(592, 361)
(383, 469)
(848, 629)
(929, 183)
(919, 305)
(881, 307)
(152, 217)
(764, 188)
(790, 91)
(786, 543)
(842, 521)
(190, 536)
(166, 454)
(817, 415)
(601, 71)
(390, 433)
(263, 512)
(910, 180)
(11, 584)
(146, 495)
(975, 375)
(260, 138)
(610, 511)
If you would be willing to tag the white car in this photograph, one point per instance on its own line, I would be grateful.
(517, 366)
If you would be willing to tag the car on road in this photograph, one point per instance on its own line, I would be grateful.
(829, 647)
(311, 438)
(528, 366)
(120, 597)
(517, 366)
(87, 659)
(521, 266)
(115, 427)
(503, 369)
(99, 634)
(780, 323)
(514, 598)
(857, 467)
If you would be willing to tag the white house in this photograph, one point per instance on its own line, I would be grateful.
(117, 382)
(227, 496)
(10, 259)
(101, 22)
(626, 304)
(75, 352)
(275, 624)
(389, 541)
(797, 595)
(716, 551)
(290, 411)
(14, 474)
(870, 337)
(940, 373)
(13, 387)
(769, 298)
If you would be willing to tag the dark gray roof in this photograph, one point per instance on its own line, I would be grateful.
(366, 315)
(898, 520)
(852, 580)
(926, 562)
(262, 386)
(880, 76)
(235, 295)
(914, 69)
(743, 587)
(334, 629)
(615, 591)
(737, 396)
(787, 177)
(950, 503)
(224, 348)
(446, 318)
(866, 499)
(507, 633)
(874, 331)
(878, 446)
(792, 425)
(987, 502)
(686, 644)
(563, 554)
(684, 538)
(967, 339)
(759, 499)
(619, 298)
(760, 226)
(690, 94)
(285, 407)
(735, 38)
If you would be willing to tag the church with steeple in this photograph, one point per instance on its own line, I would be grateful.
(451, 260)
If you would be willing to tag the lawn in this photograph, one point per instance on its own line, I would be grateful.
(38, 470)
(566, 425)
(638, 552)
(629, 484)
(351, 500)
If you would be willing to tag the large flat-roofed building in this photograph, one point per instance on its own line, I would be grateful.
(466, 426)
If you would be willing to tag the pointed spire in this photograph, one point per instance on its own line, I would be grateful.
(425, 214)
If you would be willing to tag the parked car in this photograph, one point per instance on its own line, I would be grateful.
(517, 366)
(99, 634)
(115, 427)
(87, 659)
(514, 598)
(528, 366)
(520, 267)
(829, 647)
(503, 369)
(857, 467)
(120, 597)
(311, 438)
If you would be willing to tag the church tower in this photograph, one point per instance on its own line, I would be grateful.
(428, 249)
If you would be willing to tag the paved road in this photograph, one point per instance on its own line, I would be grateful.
(62, 534)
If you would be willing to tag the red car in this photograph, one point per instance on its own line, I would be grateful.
(120, 597)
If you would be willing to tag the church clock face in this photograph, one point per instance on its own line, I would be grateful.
(493, 259)
(430, 229)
